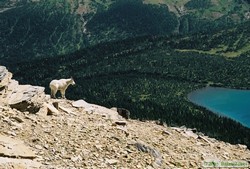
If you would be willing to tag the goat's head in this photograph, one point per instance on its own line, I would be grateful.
(72, 81)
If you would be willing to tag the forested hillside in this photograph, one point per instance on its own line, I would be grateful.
(230, 42)
(41, 28)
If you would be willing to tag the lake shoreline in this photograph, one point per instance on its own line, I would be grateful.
(218, 100)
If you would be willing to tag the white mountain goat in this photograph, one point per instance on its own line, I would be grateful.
(61, 85)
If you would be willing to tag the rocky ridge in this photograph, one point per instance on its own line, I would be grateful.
(39, 132)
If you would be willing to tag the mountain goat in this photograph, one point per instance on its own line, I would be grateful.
(61, 85)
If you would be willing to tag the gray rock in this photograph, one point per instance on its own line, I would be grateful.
(10, 147)
(5, 77)
(27, 98)
(81, 104)
(241, 146)
(155, 153)
(3, 72)
(12, 86)
(112, 161)
(190, 133)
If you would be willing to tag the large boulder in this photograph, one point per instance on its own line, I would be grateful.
(27, 98)
(21, 97)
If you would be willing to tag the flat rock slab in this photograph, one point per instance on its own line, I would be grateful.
(108, 113)
(27, 98)
(190, 134)
(12, 163)
(25, 93)
(14, 148)
(81, 104)
(96, 109)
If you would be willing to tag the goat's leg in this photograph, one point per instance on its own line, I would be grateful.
(53, 94)
(63, 94)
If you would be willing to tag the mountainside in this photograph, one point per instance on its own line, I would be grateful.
(151, 77)
(75, 134)
(39, 28)
(231, 42)
(145, 56)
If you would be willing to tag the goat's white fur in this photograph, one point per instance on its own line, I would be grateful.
(61, 85)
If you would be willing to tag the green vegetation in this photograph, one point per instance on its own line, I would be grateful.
(198, 4)
(230, 42)
(57, 27)
(37, 30)
(130, 19)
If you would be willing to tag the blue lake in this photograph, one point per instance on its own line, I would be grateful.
(232, 103)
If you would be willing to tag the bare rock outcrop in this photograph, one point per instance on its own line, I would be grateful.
(27, 98)
(21, 97)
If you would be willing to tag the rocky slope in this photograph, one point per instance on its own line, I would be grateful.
(55, 133)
